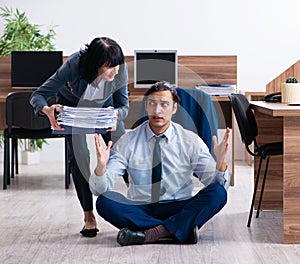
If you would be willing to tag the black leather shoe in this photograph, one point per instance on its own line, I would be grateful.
(89, 232)
(193, 236)
(127, 237)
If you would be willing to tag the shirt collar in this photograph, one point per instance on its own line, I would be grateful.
(168, 133)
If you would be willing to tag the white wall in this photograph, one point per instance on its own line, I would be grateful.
(263, 34)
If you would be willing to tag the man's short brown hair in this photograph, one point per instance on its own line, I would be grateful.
(164, 86)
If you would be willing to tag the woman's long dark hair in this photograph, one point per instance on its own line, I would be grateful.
(100, 52)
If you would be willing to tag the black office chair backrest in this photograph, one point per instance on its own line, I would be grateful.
(20, 113)
(244, 117)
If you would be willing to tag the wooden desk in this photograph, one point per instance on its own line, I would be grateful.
(2, 110)
(278, 122)
(221, 103)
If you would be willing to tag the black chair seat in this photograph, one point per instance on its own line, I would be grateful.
(30, 134)
(270, 149)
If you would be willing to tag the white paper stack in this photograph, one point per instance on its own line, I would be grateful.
(217, 89)
(87, 117)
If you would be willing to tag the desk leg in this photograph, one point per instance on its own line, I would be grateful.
(291, 180)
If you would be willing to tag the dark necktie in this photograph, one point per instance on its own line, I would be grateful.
(156, 170)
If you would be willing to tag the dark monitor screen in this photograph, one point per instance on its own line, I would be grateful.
(30, 69)
(151, 66)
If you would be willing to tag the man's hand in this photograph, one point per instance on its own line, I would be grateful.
(102, 155)
(50, 112)
(221, 150)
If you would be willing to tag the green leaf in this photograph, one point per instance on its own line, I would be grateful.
(291, 80)
(20, 34)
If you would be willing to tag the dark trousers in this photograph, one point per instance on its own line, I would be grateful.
(78, 152)
(179, 217)
(79, 157)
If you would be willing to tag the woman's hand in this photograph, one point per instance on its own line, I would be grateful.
(221, 150)
(102, 155)
(114, 128)
(50, 112)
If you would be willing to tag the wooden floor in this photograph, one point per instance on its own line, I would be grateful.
(40, 223)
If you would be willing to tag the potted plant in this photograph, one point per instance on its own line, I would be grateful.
(30, 155)
(290, 91)
(20, 35)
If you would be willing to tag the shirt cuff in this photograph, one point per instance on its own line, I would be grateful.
(223, 178)
(97, 183)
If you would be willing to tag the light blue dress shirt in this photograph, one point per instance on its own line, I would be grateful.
(183, 153)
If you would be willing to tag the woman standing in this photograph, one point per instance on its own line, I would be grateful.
(94, 76)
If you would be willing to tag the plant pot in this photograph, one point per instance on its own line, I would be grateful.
(31, 157)
(290, 93)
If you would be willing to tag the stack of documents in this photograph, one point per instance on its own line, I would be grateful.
(86, 118)
(217, 89)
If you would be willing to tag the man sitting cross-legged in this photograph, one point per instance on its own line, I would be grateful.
(161, 158)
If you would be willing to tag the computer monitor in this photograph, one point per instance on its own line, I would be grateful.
(151, 66)
(30, 69)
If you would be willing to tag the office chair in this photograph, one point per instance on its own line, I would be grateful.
(196, 113)
(248, 130)
(23, 123)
